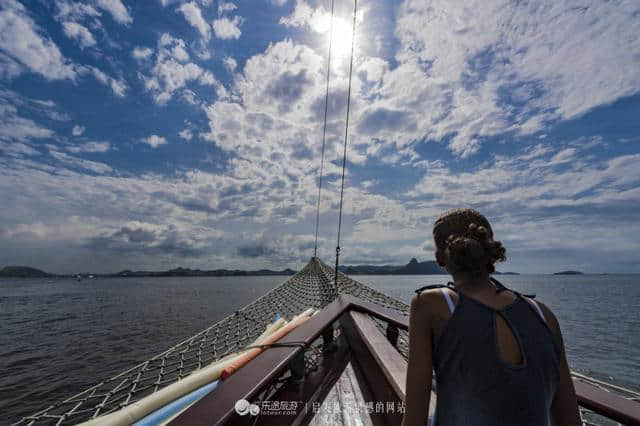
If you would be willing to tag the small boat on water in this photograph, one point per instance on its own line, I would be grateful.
(340, 359)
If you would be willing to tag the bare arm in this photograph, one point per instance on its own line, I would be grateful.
(564, 409)
(419, 369)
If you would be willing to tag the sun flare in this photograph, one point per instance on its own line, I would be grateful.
(341, 34)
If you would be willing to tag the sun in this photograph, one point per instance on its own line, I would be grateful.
(340, 36)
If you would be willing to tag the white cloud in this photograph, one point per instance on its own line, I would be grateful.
(22, 44)
(141, 53)
(190, 96)
(46, 108)
(302, 15)
(170, 74)
(17, 149)
(225, 7)
(119, 87)
(562, 157)
(278, 89)
(498, 66)
(9, 68)
(274, 109)
(193, 15)
(77, 162)
(74, 11)
(186, 134)
(93, 146)
(19, 128)
(15, 129)
(180, 53)
(230, 63)
(79, 33)
(117, 10)
(271, 122)
(154, 141)
(468, 76)
(77, 130)
(226, 28)
(534, 181)
(373, 69)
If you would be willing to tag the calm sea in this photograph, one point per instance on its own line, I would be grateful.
(61, 336)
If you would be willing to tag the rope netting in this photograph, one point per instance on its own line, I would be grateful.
(311, 287)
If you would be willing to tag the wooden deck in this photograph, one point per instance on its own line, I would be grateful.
(343, 403)
(365, 367)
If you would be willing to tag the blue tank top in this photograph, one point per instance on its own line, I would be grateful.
(475, 386)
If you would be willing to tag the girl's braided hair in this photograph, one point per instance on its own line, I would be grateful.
(465, 238)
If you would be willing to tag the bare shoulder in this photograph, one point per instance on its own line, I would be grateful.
(427, 297)
(429, 303)
(552, 321)
(548, 315)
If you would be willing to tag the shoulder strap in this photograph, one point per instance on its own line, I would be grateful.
(447, 297)
(537, 308)
(501, 287)
(430, 287)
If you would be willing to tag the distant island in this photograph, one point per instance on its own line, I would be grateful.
(428, 267)
(569, 273)
(27, 272)
(23, 272)
(186, 272)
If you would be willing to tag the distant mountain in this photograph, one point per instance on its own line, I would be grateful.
(414, 267)
(186, 272)
(367, 269)
(428, 267)
(27, 272)
(569, 273)
(23, 272)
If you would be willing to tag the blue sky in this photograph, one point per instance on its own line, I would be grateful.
(159, 133)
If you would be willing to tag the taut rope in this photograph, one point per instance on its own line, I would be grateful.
(324, 131)
(346, 134)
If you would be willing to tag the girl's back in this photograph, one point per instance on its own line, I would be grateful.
(494, 366)
(498, 356)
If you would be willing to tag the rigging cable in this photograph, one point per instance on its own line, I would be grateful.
(324, 131)
(346, 134)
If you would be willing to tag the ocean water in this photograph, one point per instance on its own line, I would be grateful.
(60, 336)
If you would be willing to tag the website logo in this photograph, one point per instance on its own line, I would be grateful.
(244, 407)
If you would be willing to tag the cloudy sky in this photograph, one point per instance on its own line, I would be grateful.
(153, 134)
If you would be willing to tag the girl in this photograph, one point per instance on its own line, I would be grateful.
(498, 356)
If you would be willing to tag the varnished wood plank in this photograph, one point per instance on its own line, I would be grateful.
(312, 390)
(391, 362)
(351, 400)
(393, 365)
(357, 394)
(610, 405)
(330, 412)
(217, 407)
(373, 383)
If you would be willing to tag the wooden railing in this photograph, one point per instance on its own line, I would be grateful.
(218, 407)
(600, 401)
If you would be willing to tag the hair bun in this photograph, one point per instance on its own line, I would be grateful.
(474, 250)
